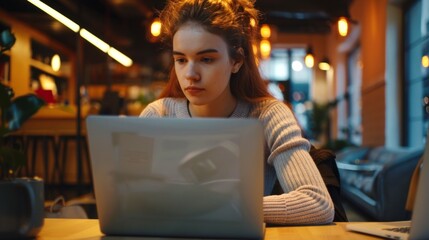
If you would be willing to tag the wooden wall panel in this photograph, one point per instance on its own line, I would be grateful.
(374, 115)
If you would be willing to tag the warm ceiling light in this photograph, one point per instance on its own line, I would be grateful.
(55, 14)
(265, 31)
(324, 65)
(155, 27)
(265, 48)
(425, 61)
(309, 58)
(56, 63)
(120, 57)
(100, 44)
(343, 26)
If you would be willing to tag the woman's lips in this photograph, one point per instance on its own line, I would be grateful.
(194, 90)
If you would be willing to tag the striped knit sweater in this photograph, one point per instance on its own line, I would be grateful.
(306, 199)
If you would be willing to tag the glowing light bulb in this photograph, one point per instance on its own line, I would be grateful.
(265, 48)
(56, 63)
(155, 28)
(309, 60)
(343, 26)
(425, 61)
(265, 31)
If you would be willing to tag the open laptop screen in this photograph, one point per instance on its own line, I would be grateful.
(178, 177)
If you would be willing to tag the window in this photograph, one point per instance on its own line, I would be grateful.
(354, 119)
(416, 82)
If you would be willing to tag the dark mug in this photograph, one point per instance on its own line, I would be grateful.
(21, 208)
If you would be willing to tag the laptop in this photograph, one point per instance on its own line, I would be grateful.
(170, 177)
(418, 227)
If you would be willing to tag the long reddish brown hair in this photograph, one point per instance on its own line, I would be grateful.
(229, 19)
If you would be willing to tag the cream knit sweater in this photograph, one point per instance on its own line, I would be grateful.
(306, 199)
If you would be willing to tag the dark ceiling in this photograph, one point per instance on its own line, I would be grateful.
(124, 23)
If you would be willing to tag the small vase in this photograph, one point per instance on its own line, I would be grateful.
(21, 208)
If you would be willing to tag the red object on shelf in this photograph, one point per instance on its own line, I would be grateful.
(46, 95)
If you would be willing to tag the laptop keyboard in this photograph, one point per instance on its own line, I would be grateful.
(399, 229)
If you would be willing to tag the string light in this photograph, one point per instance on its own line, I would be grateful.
(265, 31)
(265, 47)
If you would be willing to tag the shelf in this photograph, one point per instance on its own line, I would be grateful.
(46, 68)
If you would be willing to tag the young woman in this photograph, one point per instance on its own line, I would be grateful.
(215, 75)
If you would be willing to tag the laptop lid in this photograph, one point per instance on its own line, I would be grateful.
(419, 219)
(178, 177)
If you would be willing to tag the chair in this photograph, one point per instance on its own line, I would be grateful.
(377, 183)
(44, 141)
(325, 162)
(327, 165)
(63, 157)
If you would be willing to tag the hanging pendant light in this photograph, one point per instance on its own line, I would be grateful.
(343, 26)
(155, 27)
(309, 58)
(324, 65)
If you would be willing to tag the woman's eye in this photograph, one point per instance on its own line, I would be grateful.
(207, 60)
(179, 60)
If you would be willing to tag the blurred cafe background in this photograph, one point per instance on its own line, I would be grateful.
(355, 73)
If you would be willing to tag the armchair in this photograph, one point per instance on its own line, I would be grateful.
(377, 180)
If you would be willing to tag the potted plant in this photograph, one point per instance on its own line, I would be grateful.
(22, 199)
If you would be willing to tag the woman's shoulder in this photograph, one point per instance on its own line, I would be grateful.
(269, 102)
(167, 102)
(269, 105)
(168, 107)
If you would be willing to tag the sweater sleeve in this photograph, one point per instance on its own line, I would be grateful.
(306, 199)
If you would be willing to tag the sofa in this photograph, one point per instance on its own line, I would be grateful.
(376, 180)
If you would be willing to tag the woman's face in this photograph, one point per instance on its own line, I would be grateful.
(202, 64)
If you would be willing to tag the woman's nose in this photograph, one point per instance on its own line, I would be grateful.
(192, 73)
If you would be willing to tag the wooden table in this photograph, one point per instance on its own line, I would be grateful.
(88, 229)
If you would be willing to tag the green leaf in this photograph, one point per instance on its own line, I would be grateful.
(13, 113)
(7, 39)
(21, 109)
